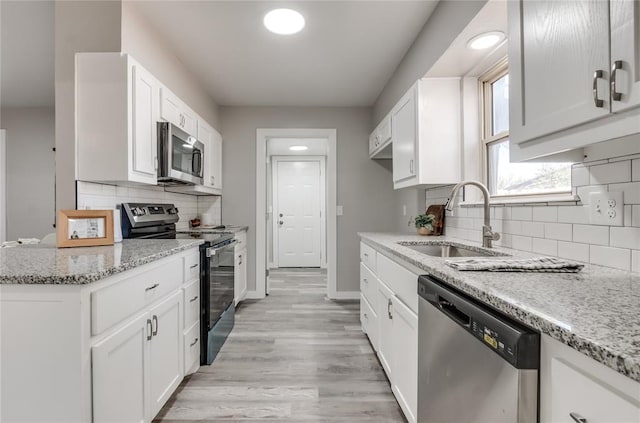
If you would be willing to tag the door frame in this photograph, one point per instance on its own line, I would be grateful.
(3, 185)
(323, 205)
(262, 137)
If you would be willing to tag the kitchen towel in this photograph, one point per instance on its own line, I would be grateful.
(540, 264)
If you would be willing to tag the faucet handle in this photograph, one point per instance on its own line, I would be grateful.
(487, 232)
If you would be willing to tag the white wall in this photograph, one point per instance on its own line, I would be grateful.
(364, 186)
(30, 139)
(145, 44)
(92, 26)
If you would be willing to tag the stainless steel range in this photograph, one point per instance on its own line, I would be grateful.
(217, 268)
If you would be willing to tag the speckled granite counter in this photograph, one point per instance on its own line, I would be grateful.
(595, 311)
(45, 264)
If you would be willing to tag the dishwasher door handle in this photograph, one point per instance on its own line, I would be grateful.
(577, 418)
(453, 312)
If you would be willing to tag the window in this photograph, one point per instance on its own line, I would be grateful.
(506, 179)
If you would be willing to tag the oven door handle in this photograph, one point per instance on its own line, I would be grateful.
(212, 251)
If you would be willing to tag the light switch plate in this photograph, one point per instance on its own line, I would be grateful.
(606, 208)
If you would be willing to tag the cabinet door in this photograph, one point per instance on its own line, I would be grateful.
(405, 358)
(385, 333)
(405, 133)
(166, 351)
(554, 49)
(240, 275)
(171, 107)
(625, 53)
(205, 136)
(145, 118)
(189, 121)
(119, 367)
(216, 160)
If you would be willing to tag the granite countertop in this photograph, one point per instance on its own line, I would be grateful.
(595, 311)
(229, 229)
(46, 264)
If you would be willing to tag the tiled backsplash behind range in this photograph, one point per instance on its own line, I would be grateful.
(100, 196)
(562, 228)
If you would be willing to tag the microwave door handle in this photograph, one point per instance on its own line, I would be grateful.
(196, 162)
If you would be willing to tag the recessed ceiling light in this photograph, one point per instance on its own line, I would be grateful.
(284, 21)
(298, 148)
(185, 145)
(485, 40)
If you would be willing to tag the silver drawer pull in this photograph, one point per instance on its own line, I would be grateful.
(193, 299)
(366, 281)
(366, 255)
(154, 286)
(149, 330)
(615, 95)
(577, 418)
(389, 309)
(193, 266)
(195, 341)
(597, 101)
(154, 319)
(366, 317)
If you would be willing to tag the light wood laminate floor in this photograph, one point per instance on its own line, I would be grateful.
(293, 357)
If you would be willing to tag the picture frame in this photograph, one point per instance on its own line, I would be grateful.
(84, 228)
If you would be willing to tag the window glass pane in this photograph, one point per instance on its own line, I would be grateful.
(500, 105)
(507, 178)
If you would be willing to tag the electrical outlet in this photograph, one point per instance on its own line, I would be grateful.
(606, 208)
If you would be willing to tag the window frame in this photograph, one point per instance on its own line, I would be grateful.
(485, 97)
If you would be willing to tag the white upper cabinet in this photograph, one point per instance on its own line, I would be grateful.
(426, 134)
(213, 155)
(380, 140)
(563, 74)
(117, 110)
(175, 111)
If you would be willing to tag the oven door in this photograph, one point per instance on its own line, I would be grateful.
(221, 280)
(181, 155)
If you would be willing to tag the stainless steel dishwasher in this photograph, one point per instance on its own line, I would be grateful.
(474, 364)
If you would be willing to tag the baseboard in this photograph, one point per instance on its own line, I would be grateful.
(345, 295)
(254, 295)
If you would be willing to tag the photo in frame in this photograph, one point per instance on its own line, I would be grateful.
(85, 228)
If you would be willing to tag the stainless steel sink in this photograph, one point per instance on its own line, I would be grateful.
(450, 251)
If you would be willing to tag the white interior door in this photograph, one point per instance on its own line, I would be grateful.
(3, 186)
(298, 213)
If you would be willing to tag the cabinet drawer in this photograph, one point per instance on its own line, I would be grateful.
(369, 320)
(576, 392)
(368, 284)
(192, 349)
(191, 303)
(400, 280)
(114, 303)
(241, 237)
(368, 256)
(192, 266)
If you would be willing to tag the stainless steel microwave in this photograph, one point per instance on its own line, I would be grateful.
(180, 156)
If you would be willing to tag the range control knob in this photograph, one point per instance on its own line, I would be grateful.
(139, 211)
(173, 210)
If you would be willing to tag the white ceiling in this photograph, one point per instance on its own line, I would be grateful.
(280, 147)
(27, 53)
(343, 57)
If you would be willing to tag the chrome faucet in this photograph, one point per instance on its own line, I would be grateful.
(487, 234)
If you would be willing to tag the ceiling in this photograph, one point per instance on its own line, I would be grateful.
(280, 146)
(344, 56)
(27, 53)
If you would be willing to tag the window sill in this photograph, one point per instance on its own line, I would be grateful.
(542, 200)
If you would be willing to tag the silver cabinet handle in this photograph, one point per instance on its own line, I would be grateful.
(149, 330)
(615, 95)
(154, 332)
(365, 316)
(411, 166)
(240, 259)
(389, 309)
(195, 341)
(154, 286)
(597, 101)
(193, 299)
(577, 418)
(365, 281)
(193, 266)
(366, 254)
(280, 222)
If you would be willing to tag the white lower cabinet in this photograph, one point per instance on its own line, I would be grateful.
(192, 349)
(120, 366)
(391, 323)
(240, 277)
(574, 387)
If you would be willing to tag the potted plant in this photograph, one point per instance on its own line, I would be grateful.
(423, 223)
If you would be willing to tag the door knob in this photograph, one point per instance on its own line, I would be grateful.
(281, 222)
(281, 215)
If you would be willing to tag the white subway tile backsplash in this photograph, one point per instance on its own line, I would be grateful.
(635, 261)
(573, 251)
(625, 237)
(591, 234)
(523, 243)
(545, 246)
(545, 214)
(619, 258)
(513, 227)
(610, 173)
(635, 170)
(559, 231)
(579, 176)
(635, 216)
(521, 213)
(573, 214)
(533, 229)
(627, 215)
(631, 191)
(583, 192)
